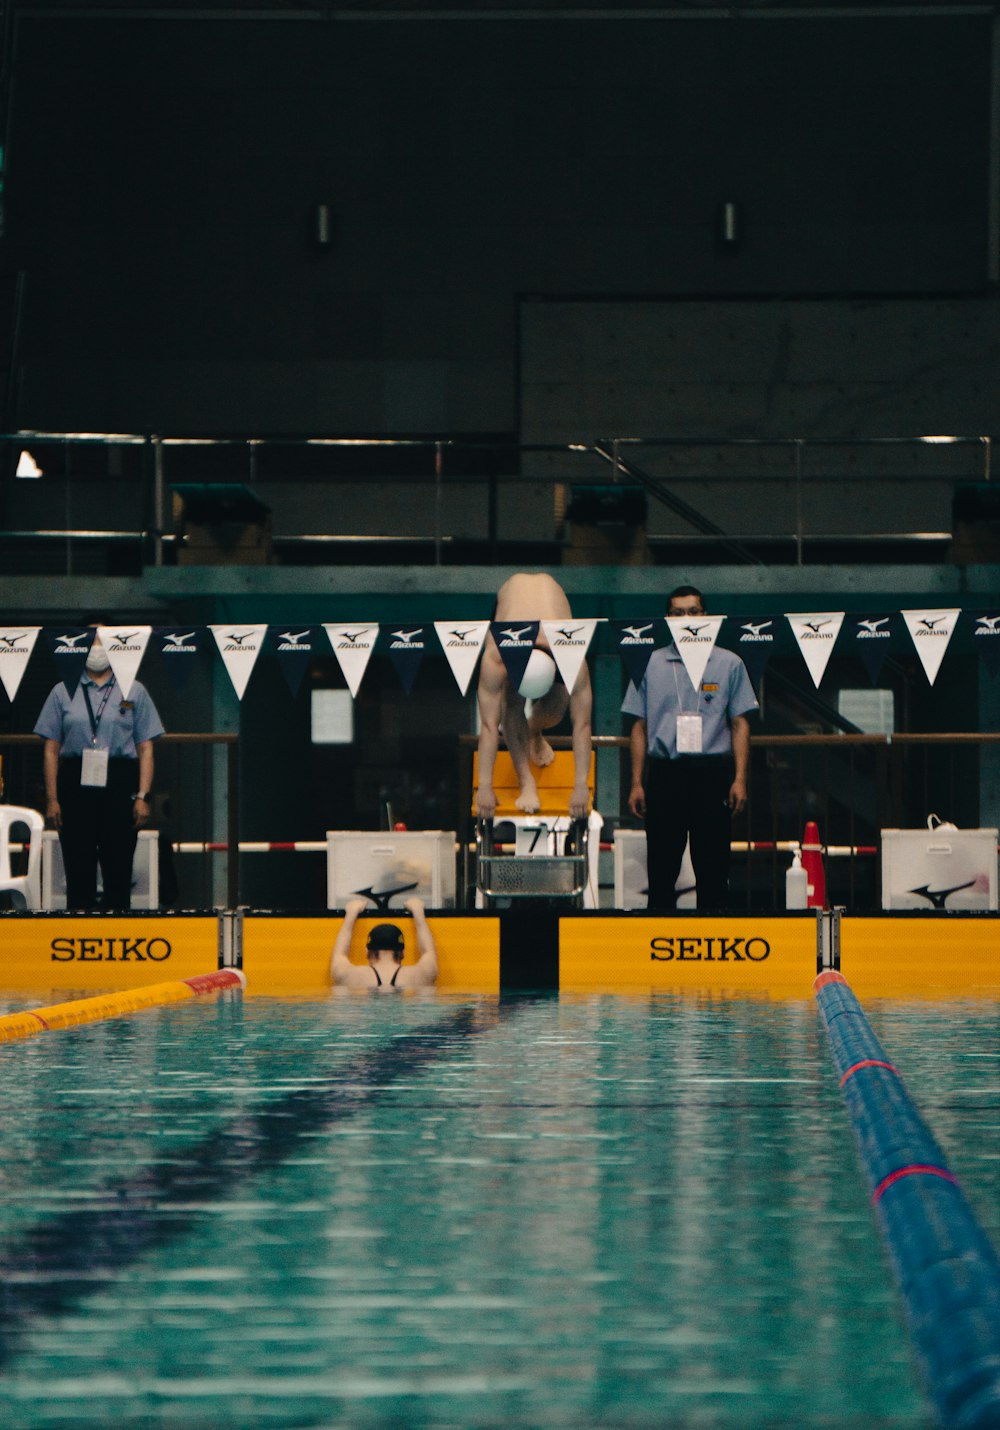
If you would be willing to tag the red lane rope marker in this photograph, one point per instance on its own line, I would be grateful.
(917, 1170)
(829, 976)
(213, 982)
(867, 1063)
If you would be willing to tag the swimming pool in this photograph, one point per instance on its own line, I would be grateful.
(434, 1211)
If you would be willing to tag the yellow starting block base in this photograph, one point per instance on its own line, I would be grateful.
(554, 783)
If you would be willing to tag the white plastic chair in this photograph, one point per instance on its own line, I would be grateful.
(25, 887)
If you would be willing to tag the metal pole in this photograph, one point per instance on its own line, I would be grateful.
(491, 506)
(233, 823)
(798, 503)
(159, 513)
(69, 508)
(438, 470)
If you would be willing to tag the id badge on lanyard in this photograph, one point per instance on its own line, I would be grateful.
(94, 761)
(94, 768)
(689, 735)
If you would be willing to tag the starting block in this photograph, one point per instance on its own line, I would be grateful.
(554, 857)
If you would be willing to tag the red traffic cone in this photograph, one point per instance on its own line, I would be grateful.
(812, 863)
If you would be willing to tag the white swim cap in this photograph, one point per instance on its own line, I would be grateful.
(539, 676)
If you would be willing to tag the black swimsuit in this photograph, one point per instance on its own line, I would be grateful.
(392, 980)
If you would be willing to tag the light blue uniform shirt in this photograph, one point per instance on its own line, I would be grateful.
(119, 730)
(666, 691)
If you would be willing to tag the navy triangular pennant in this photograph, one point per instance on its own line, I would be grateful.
(870, 637)
(635, 642)
(982, 628)
(753, 638)
(294, 647)
(178, 647)
(407, 646)
(515, 640)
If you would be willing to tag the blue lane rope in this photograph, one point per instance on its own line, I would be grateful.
(946, 1268)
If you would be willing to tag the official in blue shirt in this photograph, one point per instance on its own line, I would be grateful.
(681, 794)
(98, 779)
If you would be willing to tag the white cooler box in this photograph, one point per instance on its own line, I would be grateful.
(386, 867)
(145, 871)
(939, 869)
(630, 872)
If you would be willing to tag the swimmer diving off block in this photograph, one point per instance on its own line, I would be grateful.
(530, 597)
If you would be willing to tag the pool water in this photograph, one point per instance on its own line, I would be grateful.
(435, 1211)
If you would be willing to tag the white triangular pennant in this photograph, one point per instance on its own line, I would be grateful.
(239, 647)
(816, 633)
(694, 637)
(16, 645)
(126, 646)
(569, 641)
(461, 642)
(353, 646)
(931, 632)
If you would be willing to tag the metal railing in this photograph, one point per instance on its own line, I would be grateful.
(657, 465)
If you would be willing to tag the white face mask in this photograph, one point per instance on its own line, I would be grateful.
(97, 660)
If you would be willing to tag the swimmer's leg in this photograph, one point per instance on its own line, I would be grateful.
(544, 714)
(517, 738)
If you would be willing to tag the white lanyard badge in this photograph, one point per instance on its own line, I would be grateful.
(689, 727)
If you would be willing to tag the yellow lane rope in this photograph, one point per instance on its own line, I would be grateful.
(114, 1005)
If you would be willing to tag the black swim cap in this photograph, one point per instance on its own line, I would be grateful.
(385, 936)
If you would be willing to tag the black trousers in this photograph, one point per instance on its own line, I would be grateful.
(688, 796)
(97, 825)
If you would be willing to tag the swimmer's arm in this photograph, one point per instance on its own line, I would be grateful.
(426, 967)
(581, 704)
(340, 958)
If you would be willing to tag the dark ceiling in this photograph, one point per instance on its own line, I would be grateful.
(414, 9)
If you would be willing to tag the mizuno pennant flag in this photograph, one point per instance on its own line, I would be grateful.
(70, 648)
(870, 637)
(569, 640)
(239, 647)
(931, 633)
(178, 647)
(126, 646)
(816, 634)
(293, 648)
(515, 641)
(635, 642)
(16, 645)
(694, 637)
(353, 646)
(407, 648)
(461, 642)
(754, 638)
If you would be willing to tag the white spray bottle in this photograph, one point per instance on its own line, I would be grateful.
(796, 883)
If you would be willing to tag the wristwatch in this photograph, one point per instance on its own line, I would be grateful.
(141, 796)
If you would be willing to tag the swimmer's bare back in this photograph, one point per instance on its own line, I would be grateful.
(532, 596)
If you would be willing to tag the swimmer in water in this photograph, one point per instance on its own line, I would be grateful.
(384, 947)
(531, 597)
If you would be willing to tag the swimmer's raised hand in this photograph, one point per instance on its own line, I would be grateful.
(354, 908)
(414, 906)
